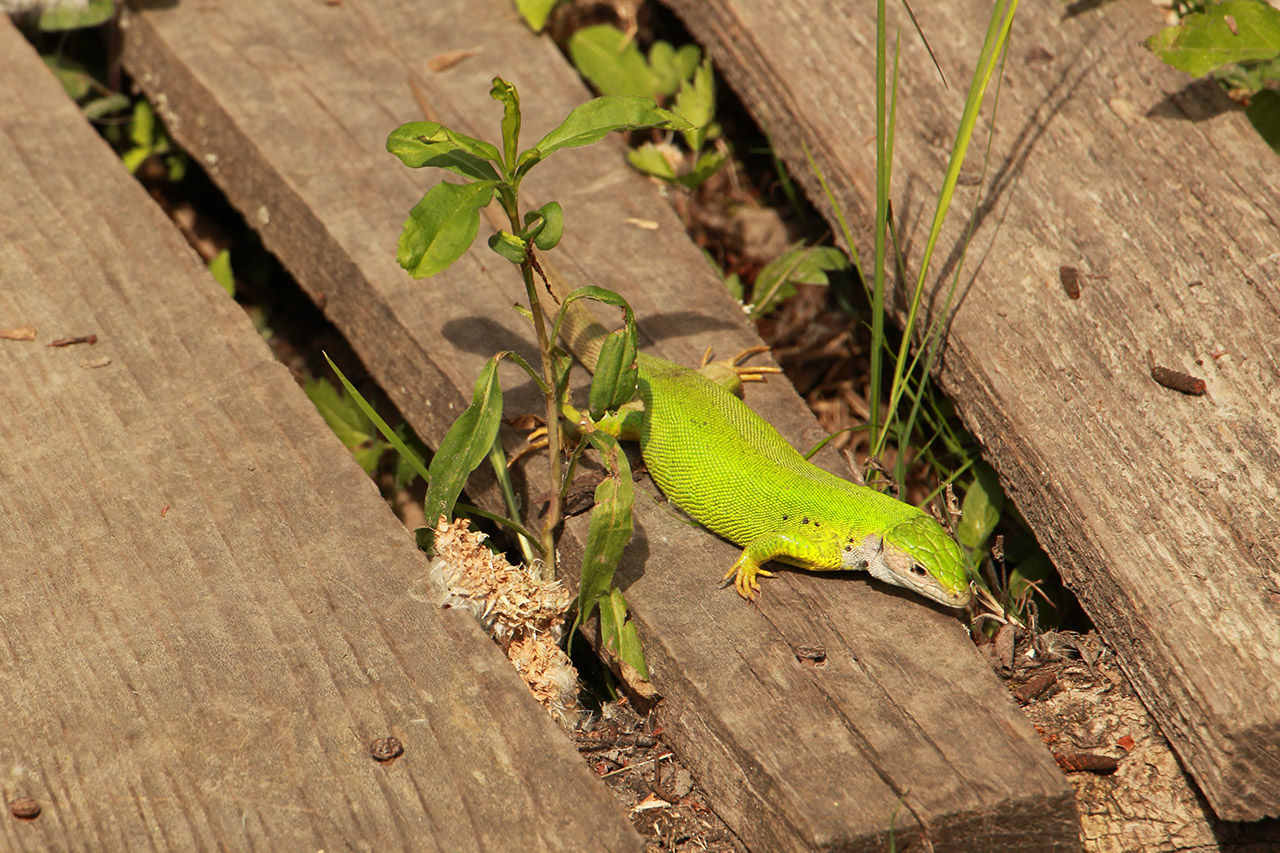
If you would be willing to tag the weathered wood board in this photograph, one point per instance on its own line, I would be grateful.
(288, 104)
(1162, 511)
(208, 613)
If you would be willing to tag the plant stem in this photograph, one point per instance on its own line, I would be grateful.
(552, 520)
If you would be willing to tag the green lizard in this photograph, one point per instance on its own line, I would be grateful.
(732, 472)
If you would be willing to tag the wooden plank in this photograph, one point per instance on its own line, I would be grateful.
(289, 103)
(208, 612)
(1161, 511)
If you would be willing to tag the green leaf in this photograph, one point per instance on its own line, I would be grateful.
(441, 226)
(614, 381)
(74, 77)
(68, 18)
(220, 268)
(799, 265)
(1264, 112)
(688, 57)
(1235, 31)
(509, 246)
(609, 58)
(673, 67)
(650, 160)
(733, 283)
(428, 143)
(135, 157)
(393, 438)
(505, 93)
(709, 162)
(592, 121)
(142, 126)
(407, 469)
(696, 104)
(176, 165)
(340, 412)
(105, 106)
(598, 294)
(535, 12)
(619, 634)
(548, 235)
(464, 446)
(609, 529)
(980, 511)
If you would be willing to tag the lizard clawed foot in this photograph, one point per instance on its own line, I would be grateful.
(743, 574)
(535, 440)
(731, 372)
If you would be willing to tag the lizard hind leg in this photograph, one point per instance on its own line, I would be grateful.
(743, 575)
(731, 373)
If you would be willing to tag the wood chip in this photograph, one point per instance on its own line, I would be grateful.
(19, 333)
(1035, 688)
(1086, 762)
(442, 61)
(1190, 385)
(77, 339)
(1070, 278)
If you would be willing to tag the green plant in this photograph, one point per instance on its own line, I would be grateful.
(1238, 42)
(613, 63)
(439, 229)
(220, 268)
(536, 12)
(62, 17)
(147, 138)
(777, 280)
(906, 411)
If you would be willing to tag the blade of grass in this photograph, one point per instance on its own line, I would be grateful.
(387, 432)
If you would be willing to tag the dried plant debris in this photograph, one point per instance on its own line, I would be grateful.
(19, 333)
(1131, 792)
(523, 613)
(665, 803)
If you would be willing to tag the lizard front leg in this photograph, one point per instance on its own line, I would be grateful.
(758, 552)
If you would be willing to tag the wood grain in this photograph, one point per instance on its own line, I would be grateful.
(207, 611)
(289, 104)
(1162, 511)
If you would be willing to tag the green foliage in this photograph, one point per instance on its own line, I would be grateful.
(798, 265)
(613, 63)
(148, 139)
(408, 456)
(83, 88)
(980, 511)
(609, 529)
(536, 12)
(464, 446)
(349, 423)
(1235, 32)
(1239, 42)
(441, 226)
(63, 17)
(445, 222)
(619, 634)
(220, 268)
(439, 229)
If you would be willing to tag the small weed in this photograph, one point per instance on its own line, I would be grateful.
(1238, 42)
(440, 228)
(677, 77)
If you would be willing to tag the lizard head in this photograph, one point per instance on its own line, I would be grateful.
(919, 555)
